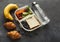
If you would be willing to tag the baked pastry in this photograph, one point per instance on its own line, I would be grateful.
(14, 35)
(10, 25)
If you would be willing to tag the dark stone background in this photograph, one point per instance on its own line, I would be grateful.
(48, 33)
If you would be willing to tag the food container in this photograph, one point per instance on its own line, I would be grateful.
(34, 18)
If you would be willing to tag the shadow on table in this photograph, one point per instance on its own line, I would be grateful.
(34, 33)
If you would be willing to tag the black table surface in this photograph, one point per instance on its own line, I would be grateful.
(48, 33)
